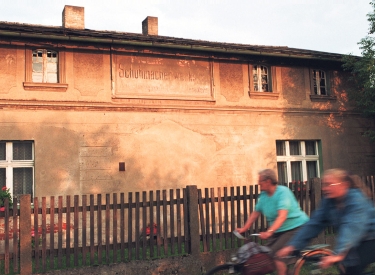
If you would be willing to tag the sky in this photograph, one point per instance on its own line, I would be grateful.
(334, 26)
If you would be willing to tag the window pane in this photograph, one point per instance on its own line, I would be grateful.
(282, 173)
(2, 177)
(295, 148)
(280, 148)
(312, 171)
(255, 78)
(296, 170)
(22, 150)
(2, 151)
(310, 148)
(22, 181)
(51, 67)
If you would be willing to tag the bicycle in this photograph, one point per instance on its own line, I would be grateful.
(307, 261)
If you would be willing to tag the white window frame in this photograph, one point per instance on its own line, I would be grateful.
(9, 164)
(302, 158)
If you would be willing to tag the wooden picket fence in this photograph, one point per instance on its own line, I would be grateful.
(75, 231)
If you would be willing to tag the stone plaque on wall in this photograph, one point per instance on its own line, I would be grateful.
(138, 76)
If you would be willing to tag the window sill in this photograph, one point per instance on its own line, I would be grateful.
(54, 87)
(323, 98)
(264, 95)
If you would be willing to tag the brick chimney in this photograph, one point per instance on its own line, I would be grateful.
(73, 17)
(150, 26)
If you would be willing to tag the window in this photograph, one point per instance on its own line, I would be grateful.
(319, 82)
(17, 167)
(261, 79)
(45, 66)
(45, 70)
(297, 160)
(262, 82)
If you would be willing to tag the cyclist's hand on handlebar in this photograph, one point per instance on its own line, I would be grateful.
(265, 235)
(241, 230)
(330, 260)
(285, 251)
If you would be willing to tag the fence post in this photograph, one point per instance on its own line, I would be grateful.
(316, 197)
(25, 235)
(193, 221)
(316, 192)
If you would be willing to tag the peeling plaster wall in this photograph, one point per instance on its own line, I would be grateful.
(81, 135)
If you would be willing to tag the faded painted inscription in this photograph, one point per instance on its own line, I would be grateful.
(152, 77)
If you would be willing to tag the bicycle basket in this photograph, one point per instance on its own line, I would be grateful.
(256, 258)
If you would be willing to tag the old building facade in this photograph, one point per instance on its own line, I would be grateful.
(86, 111)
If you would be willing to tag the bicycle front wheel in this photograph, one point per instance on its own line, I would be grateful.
(308, 264)
(219, 268)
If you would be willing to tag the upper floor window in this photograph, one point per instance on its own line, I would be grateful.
(262, 82)
(17, 167)
(319, 82)
(45, 70)
(261, 79)
(297, 160)
(45, 66)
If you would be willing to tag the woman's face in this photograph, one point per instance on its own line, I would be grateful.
(264, 185)
(334, 188)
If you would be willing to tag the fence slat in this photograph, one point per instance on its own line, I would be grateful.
(207, 216)
(213, 217)
(165, 222)
(59, 235)
(44, 233)
(76, 227)
(15, 235)
(220, 216)
(35, 240)
(152, 224)
(122, 227)
(52, 232)
(171, 219)
(107, 226)
(92, 231)
(226, 218)
(158, 221)
(186, 220)
(144, 220)
(6, 231)
(68, 210)
(84, 229)
(130, 229)
(99, 222)
(178, 210)
(202, 220)
(232, 217)
(137, 225)
(114, 227)
(238, 212)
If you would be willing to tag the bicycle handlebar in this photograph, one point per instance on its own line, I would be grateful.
(240, 236)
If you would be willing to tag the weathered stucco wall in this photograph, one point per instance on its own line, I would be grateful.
(221, 138)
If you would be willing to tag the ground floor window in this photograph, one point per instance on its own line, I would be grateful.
(17, 167)
(297, 160)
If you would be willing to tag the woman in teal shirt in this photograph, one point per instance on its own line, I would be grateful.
(282, 211)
